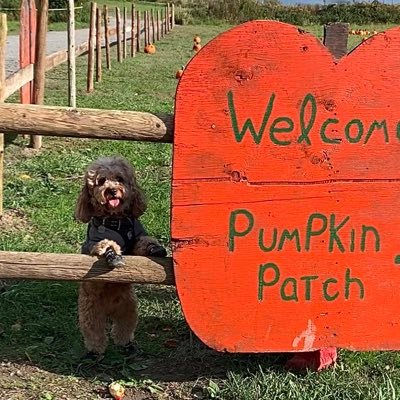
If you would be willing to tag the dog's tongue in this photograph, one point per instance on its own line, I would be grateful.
(113, 202)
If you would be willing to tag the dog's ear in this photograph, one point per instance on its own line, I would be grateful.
(138, 203)
(84, 208)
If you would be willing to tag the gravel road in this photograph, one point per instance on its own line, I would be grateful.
(55, 41)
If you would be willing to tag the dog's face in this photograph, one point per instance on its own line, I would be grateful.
(110, 188)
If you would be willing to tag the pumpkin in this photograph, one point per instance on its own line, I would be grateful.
(196, 46)
(197, 39)
(179, 73)
(150, 49)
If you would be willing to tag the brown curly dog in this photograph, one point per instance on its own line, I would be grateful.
(111, 203)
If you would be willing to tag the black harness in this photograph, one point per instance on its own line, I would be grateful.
(124, 231)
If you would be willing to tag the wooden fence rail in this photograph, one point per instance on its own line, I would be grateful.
(15, 81)
(78, 267)
(85, 123)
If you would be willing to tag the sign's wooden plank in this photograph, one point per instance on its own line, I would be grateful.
(285, 192)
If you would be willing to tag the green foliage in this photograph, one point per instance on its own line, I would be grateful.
(10, 4)
(238, 11)
(81, 15)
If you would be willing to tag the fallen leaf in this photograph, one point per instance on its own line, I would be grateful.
(16, 327)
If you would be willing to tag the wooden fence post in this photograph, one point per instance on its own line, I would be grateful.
(172, 16)
(3, 41)
(133, 43)
(124, 34)
(158, 25)
(153, 27)
(118, 18)
(335, 38)
(98, 45)
(167, 19)
(144, 28)
(107, 37)
(27, 40)
(91, 51)
(71, 55)
(138, 31)
(39, 74)
(27, 36)
(162, 23)
(148, 27)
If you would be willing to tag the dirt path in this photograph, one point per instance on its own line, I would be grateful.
(55, 41)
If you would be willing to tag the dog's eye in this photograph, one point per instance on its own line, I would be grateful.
(101, 181)
(120, 179)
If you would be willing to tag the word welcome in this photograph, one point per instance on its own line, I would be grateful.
(281, 128)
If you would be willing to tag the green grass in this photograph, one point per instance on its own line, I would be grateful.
(38, 329)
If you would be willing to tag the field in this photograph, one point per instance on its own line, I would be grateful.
(42, 355)
(13, 25)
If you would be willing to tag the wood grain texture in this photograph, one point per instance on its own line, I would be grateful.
(77, 267)
(119, 38)
(39, 72)
(124, 37)
(98, 45)
(133, 31)
(91, 48)
(168, 18)
(107, 37)
(27, 40)
(20, 78)
(138, 31)
(158, 25)
(3, 42)
(153, 27)
(286, 239)
(85, 123)
(162, 23)
(71, 55)
(335, 38)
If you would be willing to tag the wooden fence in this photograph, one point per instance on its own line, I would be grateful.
(141, 28)
(30, 78)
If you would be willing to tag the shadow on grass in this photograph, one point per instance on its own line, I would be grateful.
(39, 324)
(10, 138)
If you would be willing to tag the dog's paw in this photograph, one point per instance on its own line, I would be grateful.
(131, 350)
(92, 356)
(100, 248)
(113, 259)
(156, 250)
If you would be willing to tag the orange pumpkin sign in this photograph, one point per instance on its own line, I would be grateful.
(286, 192)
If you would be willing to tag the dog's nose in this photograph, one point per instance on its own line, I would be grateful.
(113, 192)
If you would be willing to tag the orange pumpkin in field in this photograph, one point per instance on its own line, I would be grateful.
(150, 49)
(179, 73)
(196, 46)
(197, 39)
